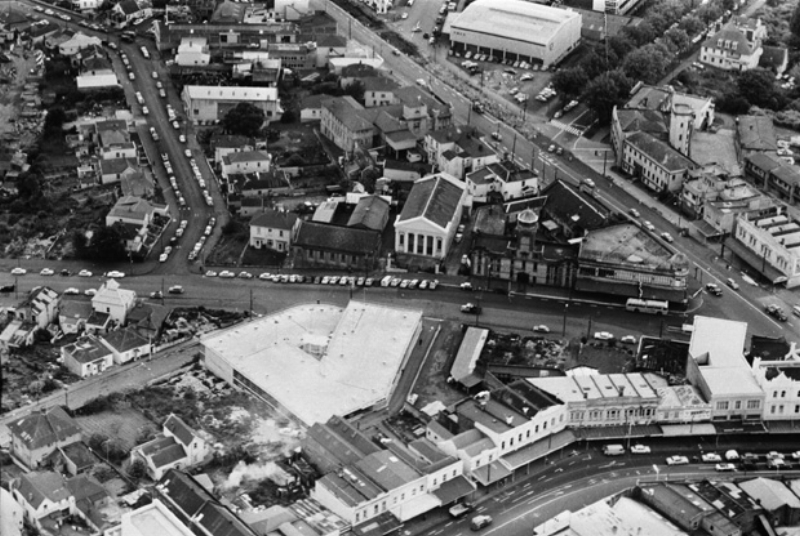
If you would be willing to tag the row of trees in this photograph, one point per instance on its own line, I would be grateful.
(606, 74)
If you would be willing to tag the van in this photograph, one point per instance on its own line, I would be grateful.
(613, 450)
(386, 280)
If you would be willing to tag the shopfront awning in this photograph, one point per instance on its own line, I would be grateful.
(539, 449)
(491, 473)
(756, 261)
(381, 525)
(454, 489)
(699, 429)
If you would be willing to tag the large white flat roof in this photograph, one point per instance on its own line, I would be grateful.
(595, 387)
(519, 20)
(366, 346)
(155, 518)
(232, 93)
(722, 339)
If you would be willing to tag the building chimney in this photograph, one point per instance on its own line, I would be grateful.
(509, 420)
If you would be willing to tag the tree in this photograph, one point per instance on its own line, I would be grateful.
(606, 91)
(794, 22)
(570, 82)
(356, 90)
(619, 46)
(648, 63)
(106, 245)
(757, 86)
(640, 34)
(709, 12)
(137, 469)
(677, 39)
(691, 24)
(244, 119)
(54, 121)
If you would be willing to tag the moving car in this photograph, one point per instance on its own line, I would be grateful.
(466, 285)
(776, 312)
(46, 271)
(649, 226)
(733, 284)
(188, 153)
(667, 237)
(633, 212)
(725, 467)
(613, 450)
(677, 460)
(176, 289)
(479, 522)
(116, 274)
(603, 336)
(628, 339)
(84, 273)
(711, 457)
(72, 291)
(156, 295)
(470, 308)
(640, 449)
(713, 288)
(541, 328)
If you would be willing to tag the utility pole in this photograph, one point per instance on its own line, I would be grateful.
(514, 146)
(605, 156)
(251, 303)
(163, 297)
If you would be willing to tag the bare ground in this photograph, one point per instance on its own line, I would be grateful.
(124, 424)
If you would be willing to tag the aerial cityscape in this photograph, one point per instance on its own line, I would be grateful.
(399, 267)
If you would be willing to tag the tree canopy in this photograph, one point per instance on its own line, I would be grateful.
(570, 82)
(606, 91)
(106, 245)
(244, 119)
(757, 86)
(648, 63)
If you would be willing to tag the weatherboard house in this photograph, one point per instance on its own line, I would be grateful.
(179, 447)
(39, 434)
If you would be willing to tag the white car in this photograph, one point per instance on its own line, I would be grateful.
(649, 226)
(541, 328)
(266, 276)
(677, 460)
(19, 271)
(633, 212)
(116, 274)
(711, 457)
(72, 291)
(245, 275)
(731, 455)
(131, 76)
(211, 273)
(46, 271)
(466, 286)
(628, 339)
(725, 467)
(774, 455)
(145, 111)
(603, 336)
(188, 153)
(404, 16)
(182, 138)
(90, 292)
(163, 257)
(227, 274)
(176, 125)
(667, 237)
(640, 449)
(795, 455)
(84, 273)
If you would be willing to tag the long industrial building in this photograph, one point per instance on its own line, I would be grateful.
(516, 30)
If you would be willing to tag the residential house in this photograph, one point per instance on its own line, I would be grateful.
(627, 261)
(756, 134)
(133, 210)
(345, 125)
(422, 112)
(126, 345)
(112, 170)
(114, 301)
(86, 6)
(504, 178)
(208, 104)
(43, 495)
(243, 162)
(72, 314)
(127, 11)
(77, 458)
(274, 230)
(430, 217)
(737, 46)
(223, 144)
(197, 507)
(54, 40)
(776, 59)
(766, 240)
(378, 91)
(458, 150)
(716, 366)
(311, 107)
(774, 176)
(87, 357)
(42, 306)
(330, 46)
(40, 433)
(97, 82)
(179, 447)
(138, 184)
(112, 132)
(118, 150)
(79, 41)
(320, 244)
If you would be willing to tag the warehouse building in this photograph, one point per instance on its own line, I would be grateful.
(516, 30)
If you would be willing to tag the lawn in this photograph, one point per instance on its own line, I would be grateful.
(263, 257)
(123, 424)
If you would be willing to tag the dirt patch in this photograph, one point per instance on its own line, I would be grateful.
(432, 383)
(124, 424)
(606, 357)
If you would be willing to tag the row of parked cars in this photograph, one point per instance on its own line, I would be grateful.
(388, 281)
(724, 462)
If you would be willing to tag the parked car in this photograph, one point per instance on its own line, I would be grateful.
(725, 467)
(714, 289)
(211, 273)
(677, 460)
(466, 285)
(649, 226)
(640, 449)
(19, 271)
(115, 274)
(46, 271)
(541, 328)
(72, 291)
(84, 273)
(459, 510)
(731, 455)
(603, 336)
(245, 275)
(90, 292)
(633, 212)
(628, 339)
(731, 283)
(479, 522)
(227, 274)
(711, 457)
(667, 237)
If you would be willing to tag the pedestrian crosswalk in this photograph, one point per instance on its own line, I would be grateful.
(566, 128)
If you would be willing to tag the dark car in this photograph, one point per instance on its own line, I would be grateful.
(5, 289)
(470, 308)
(176, 289)
(776, 312)
(66, 272)
(713, 288)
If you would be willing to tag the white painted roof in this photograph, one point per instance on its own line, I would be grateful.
(232, 93)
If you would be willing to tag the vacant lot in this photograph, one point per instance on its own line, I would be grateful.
(123, 424)
(432, 382)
